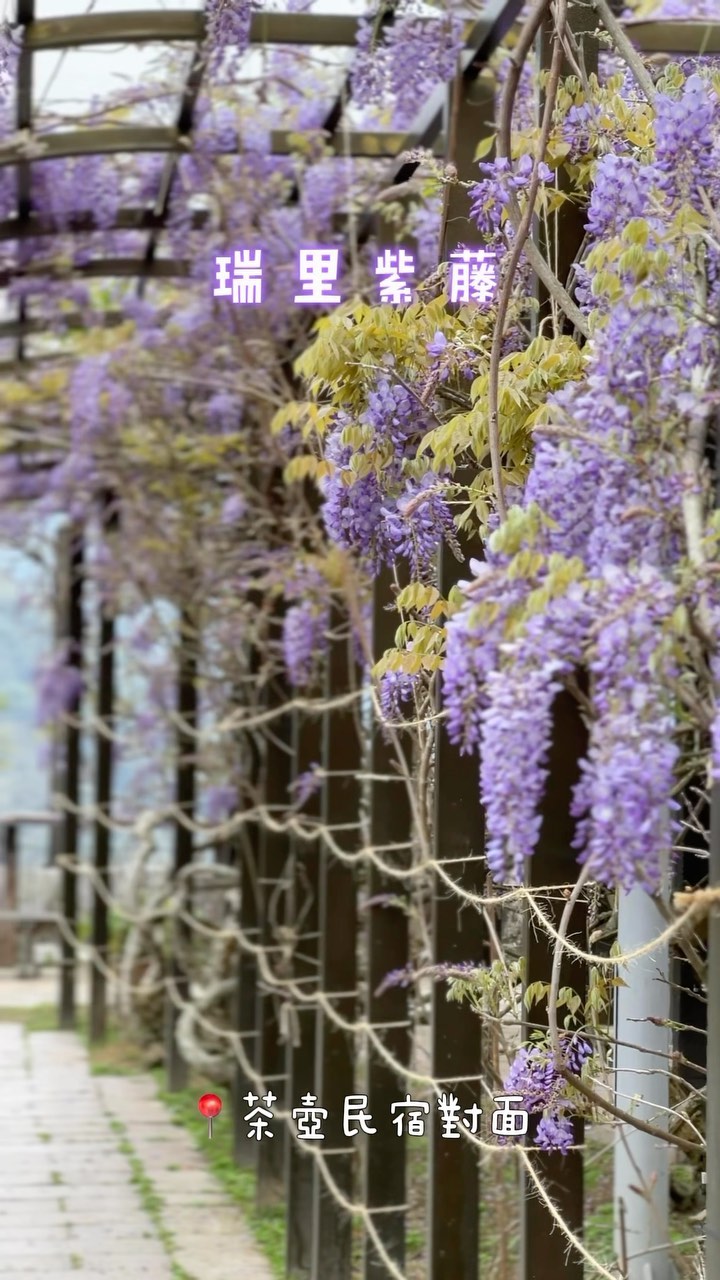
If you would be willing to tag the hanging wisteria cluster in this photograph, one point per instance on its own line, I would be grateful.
(403, 50)
(258, 468)
(534, 1077)
(598, 574)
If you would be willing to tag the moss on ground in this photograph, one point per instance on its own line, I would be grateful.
(267, 1224)
(499, 1241)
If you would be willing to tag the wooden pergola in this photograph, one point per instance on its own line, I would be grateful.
(319, 1225)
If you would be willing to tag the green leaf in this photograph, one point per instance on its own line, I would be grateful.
(484, 147)
(534, 993)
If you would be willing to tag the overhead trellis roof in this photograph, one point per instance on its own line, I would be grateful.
(33, 144)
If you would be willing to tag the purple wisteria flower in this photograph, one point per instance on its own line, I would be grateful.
(228, 32)
(9, 57)
(686, 139)
(416, 525)
(304, 629)
(613, 496)
(516, 733)
(444, 972)
(623, 797)
(490, 196)
(392, 412)
(621, 191)
(396, 689)
(534, 1075)
(351, 512)
(438, 343)
(59, 684)
(473, 650)
(400, 64)
(554, 1133)
(305, 623)
(224, 410)
(367, 510)
(575, 128)
(306, 785)
(233, 509)
(715, 732)
(99, 402)
(219, 802)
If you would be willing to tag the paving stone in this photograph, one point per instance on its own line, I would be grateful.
(16, 1236)
(68, 1205)
(26, 1263)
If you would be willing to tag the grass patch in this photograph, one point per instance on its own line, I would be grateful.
(500, 1212)
(500, 1208)
(40, 1017)
(268, 1224)
(599, 1213)
(117, 1055)
(151, 1200)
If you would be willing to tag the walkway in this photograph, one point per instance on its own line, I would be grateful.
(82, 1157)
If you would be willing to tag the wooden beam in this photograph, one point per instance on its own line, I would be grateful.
(103, 796)
(332, 1253)
(82, 30)
(273, 876)
(333, 29)
(103, 140)
(302, 1041)
(73, 548)
(370, 143)
(37, 324)
(672, 37)
(545, 1253)
(185, 781)
(104, 268)
(246, 1003)
(387, 935)
(9, 933)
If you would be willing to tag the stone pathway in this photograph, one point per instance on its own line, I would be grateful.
(71, 1145)
(28, 993)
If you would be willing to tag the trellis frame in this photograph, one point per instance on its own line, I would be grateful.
(460, 1263)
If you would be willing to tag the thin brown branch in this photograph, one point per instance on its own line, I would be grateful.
(626, 50)
(521, 236)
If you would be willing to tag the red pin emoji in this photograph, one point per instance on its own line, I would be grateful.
(210, 1106)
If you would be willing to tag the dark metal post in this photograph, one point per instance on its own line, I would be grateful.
(545, 1253)
(272, 881)
(459, 934)
(301, 1044)
(245, 1152)
(567, 227)
(11, 884)
(387, 949)
(103, 793)
(458, 930)
(712, 1127)
(9, 932)
(178, 979)
(337, 925)
(688, 999)
(74, 634)
(544, 1250)
(712, 1100)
